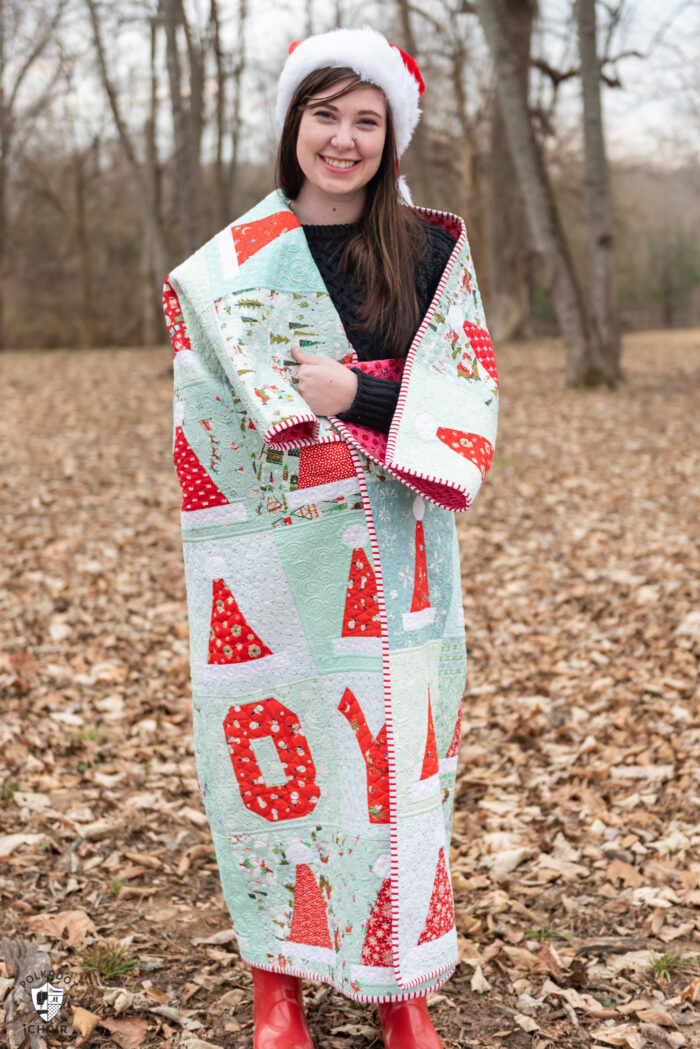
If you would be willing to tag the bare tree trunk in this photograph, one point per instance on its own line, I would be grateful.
(470, 193)
(151, 219)
(186, 160)
(584, 363)
(83, 244)
(220, 185)
(510, 255)
(238, 71)
(598, 196)
(420, 151)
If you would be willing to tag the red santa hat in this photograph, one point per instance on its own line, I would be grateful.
(374, 59)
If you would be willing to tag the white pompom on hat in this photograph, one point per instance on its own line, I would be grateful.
(372, 57)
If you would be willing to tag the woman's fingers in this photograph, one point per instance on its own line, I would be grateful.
(302, 357)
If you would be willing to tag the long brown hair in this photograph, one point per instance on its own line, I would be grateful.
(390, 237)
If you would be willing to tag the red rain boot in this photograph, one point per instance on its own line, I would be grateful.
(406, 1025)
(278, 1012)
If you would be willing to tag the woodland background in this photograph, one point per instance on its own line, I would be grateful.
(131, 131)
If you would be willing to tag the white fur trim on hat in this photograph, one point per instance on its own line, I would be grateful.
(425, 425)
(455, 318)
(405, 191)
(382, 865)
(355, 535)
(215, 567)
(371, 56)
(178, 411)
(298, 852)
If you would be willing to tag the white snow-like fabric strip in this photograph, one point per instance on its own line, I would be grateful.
(371, 56)
(305, 952)
(373, 973)
(424, 788)
(229, 513)
(448, 764)
(214, 676)
(320, 492)
(227, 254)
(357, 646)
(416, 620)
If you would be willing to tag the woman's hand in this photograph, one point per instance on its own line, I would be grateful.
(327, 386)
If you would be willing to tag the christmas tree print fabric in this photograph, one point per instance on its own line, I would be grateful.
(327, 646)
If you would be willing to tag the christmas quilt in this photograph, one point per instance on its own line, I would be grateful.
(327, 643)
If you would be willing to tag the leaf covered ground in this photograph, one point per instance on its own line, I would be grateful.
(576, 847)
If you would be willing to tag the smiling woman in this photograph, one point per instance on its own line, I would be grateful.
(335, 404)
(346, 139)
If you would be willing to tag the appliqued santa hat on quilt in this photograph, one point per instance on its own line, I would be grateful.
(368, 52)
(361, 630)
(326, 471)
(309, 935)
(231, 638)
(203, 502)
(421, 614)
(472, 446)
(441, 913)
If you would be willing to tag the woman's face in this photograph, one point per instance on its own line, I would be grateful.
(351, 128)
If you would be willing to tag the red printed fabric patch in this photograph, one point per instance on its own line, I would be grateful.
(361, 617)
(252, 236)
(310, 914)
(421, 594)
(231, 639)
(323, 463)
(472, 446)
(441, 914)
(386, 368)
(198, 490)
(431, 765)
(174, 319)
(375, 754)
(453, 749)
(370, 441)
(377, 949)
(480, 342)
(298, 795)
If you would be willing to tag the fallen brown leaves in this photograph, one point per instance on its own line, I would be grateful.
(576, 849)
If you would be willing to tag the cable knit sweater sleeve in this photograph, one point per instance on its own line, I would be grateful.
(375, 401)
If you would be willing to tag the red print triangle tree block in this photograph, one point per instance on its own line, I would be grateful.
(250, 237)
(472, 446)
(375, 753)
(441, 914)
(231, 639)
(362, 629)
(431, 765)
(377, 949)
(479, 341)
(203, 502)
(309, 935)
(174, 320)
(326, 471)
(421, 614)
(449, 762)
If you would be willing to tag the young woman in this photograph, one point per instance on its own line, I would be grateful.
(335, 404)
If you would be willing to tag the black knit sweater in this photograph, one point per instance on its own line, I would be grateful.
(375, 401)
